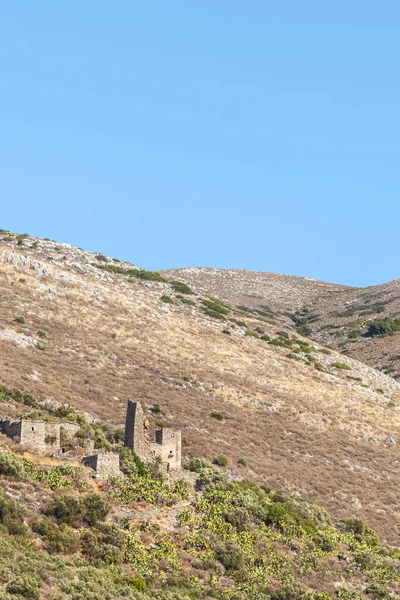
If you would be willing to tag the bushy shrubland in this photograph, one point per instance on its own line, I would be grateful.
(75, 511)
(21, 468)
(384, 326)
(181, 288)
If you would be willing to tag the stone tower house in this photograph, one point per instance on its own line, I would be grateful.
(137, 430)
(168, 443)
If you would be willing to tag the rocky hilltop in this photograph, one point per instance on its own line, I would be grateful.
(210, 353)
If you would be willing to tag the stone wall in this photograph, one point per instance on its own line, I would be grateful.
(137, 430)
(40, 436)
(168, 444)
(168, 447)
(104, 464)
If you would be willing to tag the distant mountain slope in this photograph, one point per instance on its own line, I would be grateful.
(336, 315)
(85, 329)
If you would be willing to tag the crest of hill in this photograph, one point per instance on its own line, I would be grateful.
(301, 417)
(337, 315)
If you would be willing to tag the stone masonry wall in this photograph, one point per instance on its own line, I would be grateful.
(137, 430)
(104, 464)
(169, 447)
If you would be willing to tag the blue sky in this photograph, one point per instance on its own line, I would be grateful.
(249, 134)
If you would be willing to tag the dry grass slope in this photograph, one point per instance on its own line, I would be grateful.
(93, 339)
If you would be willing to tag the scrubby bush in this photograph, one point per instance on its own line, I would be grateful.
(250, 333)
(20, 320)
(58, 538)
(208, 473)
(181, 288)
(342, 366)
(72, 511)
(137, 273)
(216, 306)
(221, 460)
(217, 415)
(25, 587)
(383, 327)
(12, 466)
(66, 509)
(12, 516)
(130, 463)
(94, 508)
(230, 555)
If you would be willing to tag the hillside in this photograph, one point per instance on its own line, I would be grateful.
(336, 315)
(88, 330)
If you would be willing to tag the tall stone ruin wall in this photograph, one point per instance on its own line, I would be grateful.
(168, 447)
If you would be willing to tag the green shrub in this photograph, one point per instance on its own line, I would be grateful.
(360, 530)
(383, 327)
(72, 511)
(265, 338)
(130, 463)
(238, 323)
(58, 538)
(242, 462)
(213, 314)
(12, 466)
(280, 342)
(27, 586)
(101, 258)
(137, 273)
(181, 288)
(20, 320)
(250, 333)
(186, 300)
(156, 409)
(208, 473)
(217, 415)
(94, 509)
(12, 516)
(136, 583)
(342, 366)
(230, 555)
(216, 306)
(353, 334)
(166, 299)
(66, 509)
(283, 334)
(293, 356)
(221, 460)
(304, 330)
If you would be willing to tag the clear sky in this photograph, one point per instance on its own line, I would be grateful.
(251, 134)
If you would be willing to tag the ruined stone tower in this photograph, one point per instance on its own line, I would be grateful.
(167, 446)
(137, 430)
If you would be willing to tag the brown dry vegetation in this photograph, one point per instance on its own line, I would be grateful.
(334, 310)
(109, 338)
